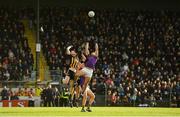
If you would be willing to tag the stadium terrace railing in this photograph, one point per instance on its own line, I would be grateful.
(53, 75)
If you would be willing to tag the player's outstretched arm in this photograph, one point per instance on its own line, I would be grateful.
(83, 57)
(96, 50)
(87, 49)
(67, 50)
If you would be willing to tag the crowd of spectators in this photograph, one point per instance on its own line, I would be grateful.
(14, 94)
(139, 49)
(16, 59)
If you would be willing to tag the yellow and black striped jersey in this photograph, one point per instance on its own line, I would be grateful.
(72, 62)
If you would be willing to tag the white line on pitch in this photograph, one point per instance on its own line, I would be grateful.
(89, 116)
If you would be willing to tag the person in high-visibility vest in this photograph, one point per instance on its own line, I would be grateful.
(38, 91)
(65, 97)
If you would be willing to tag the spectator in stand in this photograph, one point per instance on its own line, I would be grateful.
(43, 97)
(56, 97)
(50, 96)
(14, 96)
(109, 97)
(2, 72)
(31, 92)
(26, 93)
(5, 94)
(20, 92)
(114, 99)
(10, 93)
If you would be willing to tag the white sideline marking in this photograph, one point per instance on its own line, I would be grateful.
(90, 116)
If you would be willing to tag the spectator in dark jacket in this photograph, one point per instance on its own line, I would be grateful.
(5, 94)
(50, 96)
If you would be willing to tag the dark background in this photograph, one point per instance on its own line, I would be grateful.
(133, 4)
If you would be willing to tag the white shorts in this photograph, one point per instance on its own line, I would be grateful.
(88, 72)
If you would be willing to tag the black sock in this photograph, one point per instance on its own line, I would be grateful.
(82, 107)
(77, 100)
(89, 106)
(70, 97)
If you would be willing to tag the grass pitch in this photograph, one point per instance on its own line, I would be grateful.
(97, 111)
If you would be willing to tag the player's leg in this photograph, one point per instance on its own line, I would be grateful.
(66, 80)
(86, 83)
(71, 97)
(87, 78)
(91, 100)
(80, 73)
(84, 101)
(71, 83)
(77, 95)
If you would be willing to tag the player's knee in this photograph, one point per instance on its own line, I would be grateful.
(64, 81)
(84, 96)
(93, 96)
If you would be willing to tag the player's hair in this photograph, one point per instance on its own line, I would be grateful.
(72, 49)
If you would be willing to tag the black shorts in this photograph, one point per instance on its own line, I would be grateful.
(71, 74)
(78, 82)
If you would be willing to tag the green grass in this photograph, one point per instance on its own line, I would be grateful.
(97, 111)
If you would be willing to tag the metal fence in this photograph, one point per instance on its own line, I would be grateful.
(53, 75)
(20, 81)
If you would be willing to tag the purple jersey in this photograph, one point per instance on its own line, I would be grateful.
(91, 62)
(81, 81)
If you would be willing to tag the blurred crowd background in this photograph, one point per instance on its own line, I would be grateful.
(139, 49)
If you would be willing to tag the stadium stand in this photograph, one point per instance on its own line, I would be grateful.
(139, 49)
(16, 59)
